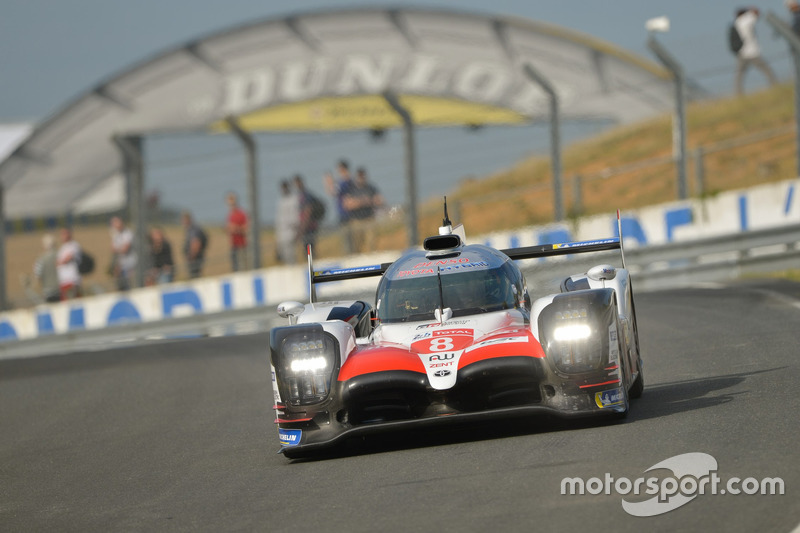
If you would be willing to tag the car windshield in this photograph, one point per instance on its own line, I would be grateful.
(416, 298)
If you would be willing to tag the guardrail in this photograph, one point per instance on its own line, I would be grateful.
(716, 258)
(652, 268)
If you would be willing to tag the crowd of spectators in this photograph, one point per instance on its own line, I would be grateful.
(300, 212)
(357, 201)
(59, 269)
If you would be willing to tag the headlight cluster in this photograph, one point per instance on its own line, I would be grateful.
(574, 331)
(306, 359)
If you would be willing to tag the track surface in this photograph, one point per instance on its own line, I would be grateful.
(178, 437)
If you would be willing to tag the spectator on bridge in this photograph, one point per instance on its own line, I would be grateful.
(162, 267)
(794, 9)
(237, 231)
(124, 258)
(287, 223)
(338, 189)
(750, 52)
(361, 202)
(194, 245)
(45, 270)
(69, 277)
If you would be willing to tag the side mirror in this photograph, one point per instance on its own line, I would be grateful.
(443, 315)
(290, 310)
(602, 273)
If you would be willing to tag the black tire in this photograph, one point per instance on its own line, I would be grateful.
(637, 388)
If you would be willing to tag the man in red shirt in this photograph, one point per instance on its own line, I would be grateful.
(237, 229)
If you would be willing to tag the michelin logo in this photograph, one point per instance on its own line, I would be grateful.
(289, 437)
(609, 398)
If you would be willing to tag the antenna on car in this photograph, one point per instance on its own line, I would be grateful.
(446, 220)
(442, 314)
(312, 292)
(619, 230)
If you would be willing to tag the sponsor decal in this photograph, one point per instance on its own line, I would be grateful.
(449, 323)
(442, 263)
(583, 243)
(415, 272)
(441, 373)
(353, 270)
(609, 398)
(420, 336)
(289, 437)
(444, 332)
(423, 268)
(502, 340)
(441, 344)
(441, 356)
(613, 344)
(276, 396)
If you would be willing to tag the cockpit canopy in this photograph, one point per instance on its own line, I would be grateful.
(477, 280)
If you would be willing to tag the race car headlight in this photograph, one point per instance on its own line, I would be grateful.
(305, 358)
(572, 330)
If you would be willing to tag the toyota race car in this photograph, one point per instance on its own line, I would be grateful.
(454, 336)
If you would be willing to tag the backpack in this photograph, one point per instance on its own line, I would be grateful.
(317, 207)
(734, 39)
(85, 263)
(203, 236)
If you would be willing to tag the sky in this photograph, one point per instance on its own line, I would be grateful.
(51, 51)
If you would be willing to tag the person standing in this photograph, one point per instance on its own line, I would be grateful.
(124, 254)
(45, 270)
(162, 267)
(194, 245)
(361, 202)
(69, 277)
(750, 52)
(287, 224)
(338, 190)
(308, 225)
(237, 231)
(794, 9)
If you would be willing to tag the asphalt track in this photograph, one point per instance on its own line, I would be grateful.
(178, 436)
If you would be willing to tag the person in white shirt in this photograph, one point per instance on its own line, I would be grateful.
(750, 53)
(124, 254)
(69, 278)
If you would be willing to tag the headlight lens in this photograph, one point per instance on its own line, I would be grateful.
(573, 330)
(306, 360)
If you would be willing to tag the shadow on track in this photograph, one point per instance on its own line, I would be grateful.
(676, 397)
(664, 399)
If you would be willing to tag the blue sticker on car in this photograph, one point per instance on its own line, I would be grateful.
(609, 398)
(289, 437)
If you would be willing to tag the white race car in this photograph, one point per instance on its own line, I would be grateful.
(454, 337)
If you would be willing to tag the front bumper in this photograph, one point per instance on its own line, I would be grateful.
(505, 387)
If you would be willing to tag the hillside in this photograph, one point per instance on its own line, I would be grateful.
(762, 124)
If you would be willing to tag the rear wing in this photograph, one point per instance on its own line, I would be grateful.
(527, 252)
(549, 250)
